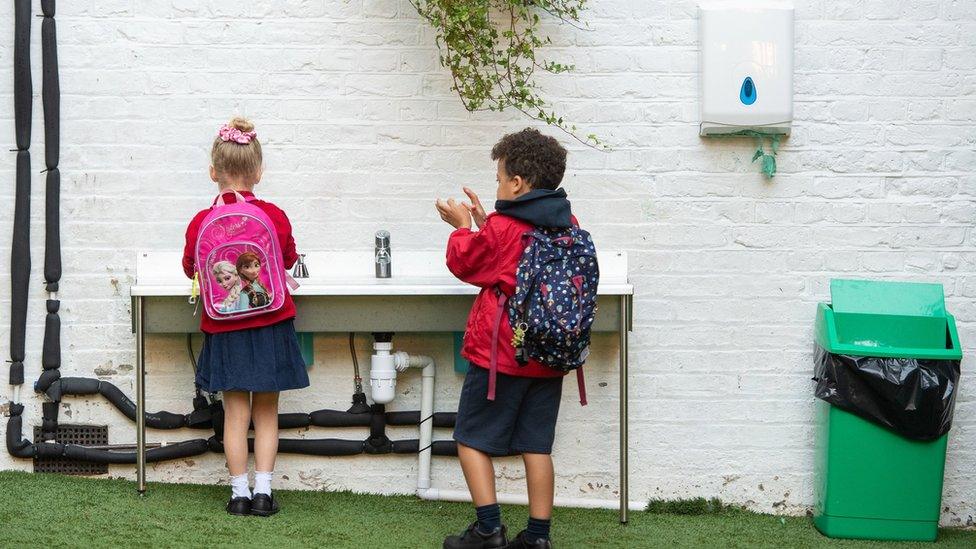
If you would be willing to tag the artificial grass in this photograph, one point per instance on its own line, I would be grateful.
(60, 511)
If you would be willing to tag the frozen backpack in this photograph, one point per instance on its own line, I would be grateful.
(554, 304)
(239, 263)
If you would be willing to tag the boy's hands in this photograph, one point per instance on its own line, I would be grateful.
(459, 214)
(455, 214)
(476, 209)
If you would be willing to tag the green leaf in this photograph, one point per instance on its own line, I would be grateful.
(769, 165)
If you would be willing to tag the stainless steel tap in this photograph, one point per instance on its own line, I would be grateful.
(300, 270)
(383, 256)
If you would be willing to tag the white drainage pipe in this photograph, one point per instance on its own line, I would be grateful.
(382, 382)
(426, 438)
(382, 373)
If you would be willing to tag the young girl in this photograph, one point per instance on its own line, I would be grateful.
(249, 270)
(237, 298)
(249, 359)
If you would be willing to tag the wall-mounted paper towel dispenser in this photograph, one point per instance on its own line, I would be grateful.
(746, 66)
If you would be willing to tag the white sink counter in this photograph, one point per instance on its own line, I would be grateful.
(351, 274)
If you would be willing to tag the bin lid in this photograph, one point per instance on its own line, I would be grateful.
(886, 315)
(887, 298)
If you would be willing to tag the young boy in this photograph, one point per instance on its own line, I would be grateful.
(520, 418)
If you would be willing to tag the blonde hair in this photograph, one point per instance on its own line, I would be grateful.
(223, 267)
(230, 158)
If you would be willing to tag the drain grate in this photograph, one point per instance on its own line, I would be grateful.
(82, 435)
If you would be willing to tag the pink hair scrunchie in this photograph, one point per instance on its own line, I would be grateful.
(230, 133)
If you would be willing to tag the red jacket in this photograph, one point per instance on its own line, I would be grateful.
(290, 256)
(488, 258)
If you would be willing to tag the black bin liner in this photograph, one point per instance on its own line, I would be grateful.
(913, 397)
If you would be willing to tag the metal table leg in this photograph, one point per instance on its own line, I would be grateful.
(138, 316)
(624, 348)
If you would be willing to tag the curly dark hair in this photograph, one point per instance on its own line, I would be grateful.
(539, 159)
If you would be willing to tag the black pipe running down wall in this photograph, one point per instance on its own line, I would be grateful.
(20, 267)
(51, 99)
(50, 90)
(51, 349)
(23, 86)
(20, 264)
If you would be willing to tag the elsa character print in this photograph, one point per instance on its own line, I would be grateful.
(249, 269)
(236, 300)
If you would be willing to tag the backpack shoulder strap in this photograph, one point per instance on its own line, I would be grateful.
(493, 363)
(581, 385)
(219, 201)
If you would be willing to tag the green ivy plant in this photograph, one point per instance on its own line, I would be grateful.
(768, 161)
(490, 48)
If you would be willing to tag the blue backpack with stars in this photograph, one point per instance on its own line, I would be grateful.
(554, 304)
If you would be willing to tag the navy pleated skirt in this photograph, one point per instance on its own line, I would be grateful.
(259, 360)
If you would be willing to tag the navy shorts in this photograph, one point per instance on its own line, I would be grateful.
(521, 419)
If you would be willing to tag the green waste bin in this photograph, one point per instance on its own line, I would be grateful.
(873, 483)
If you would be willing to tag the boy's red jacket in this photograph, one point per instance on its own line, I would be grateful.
(488, 258)
(290, 256)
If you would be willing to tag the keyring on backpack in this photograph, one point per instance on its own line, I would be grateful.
(194, 289)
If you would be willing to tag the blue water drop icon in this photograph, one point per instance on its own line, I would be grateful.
(748, 92)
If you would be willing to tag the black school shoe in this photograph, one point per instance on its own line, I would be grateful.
(239, 506)
(263, 505)
(520, 543)
(472, 538)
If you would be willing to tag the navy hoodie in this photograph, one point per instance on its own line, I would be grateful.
(540, 207)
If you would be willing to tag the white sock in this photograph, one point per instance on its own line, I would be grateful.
(262, 482)
(239, 486)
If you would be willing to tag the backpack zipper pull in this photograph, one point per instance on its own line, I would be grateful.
(518, 334)
(518, 337)
(194, 292)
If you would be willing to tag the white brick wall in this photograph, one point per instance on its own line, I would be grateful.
(362, 132)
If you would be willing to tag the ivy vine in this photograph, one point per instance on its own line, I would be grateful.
(490, 48)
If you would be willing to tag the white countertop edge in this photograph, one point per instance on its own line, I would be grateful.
(364, 290)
